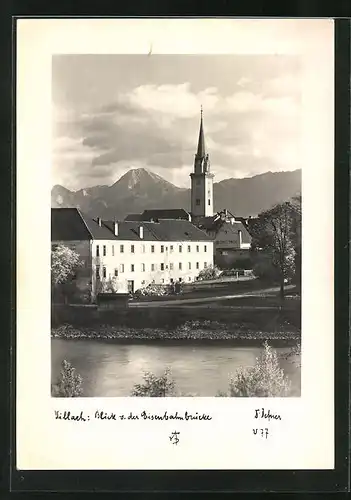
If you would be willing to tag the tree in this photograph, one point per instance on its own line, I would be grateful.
(296, 213)
(266, 379)
(154, 386)
(64, 265)
(273, 235)
(69, 384)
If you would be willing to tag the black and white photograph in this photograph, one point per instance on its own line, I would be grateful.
(176, 225)
(175, 244)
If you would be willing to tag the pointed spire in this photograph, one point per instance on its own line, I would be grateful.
(201, 144)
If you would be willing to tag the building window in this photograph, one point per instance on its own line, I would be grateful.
(197, 201)
(209, 202)
(121, 268)
(97, 251)
(143, 248)
(205, 248)
(189, 248)
(104, 250)
(113, 250)
(152, 267)
(197, 248)
(189, 265)
(152, 248)
(104, 272)
(180, 279)
(171, 280)
(142, 268)
(162, 266)
(180, 266)
(132, 248)
(180, 249)
(132, 268)
(162, 249)
(143, 282)
(121, 248)
(116, 273)
(171, 248)
(162, 280)
(197, 265)
(205, 265)
(171, 266)
(189, 279)
(97, 272)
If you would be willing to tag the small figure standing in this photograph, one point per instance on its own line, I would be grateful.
(177, 287)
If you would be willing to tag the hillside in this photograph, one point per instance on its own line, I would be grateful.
(141, 189)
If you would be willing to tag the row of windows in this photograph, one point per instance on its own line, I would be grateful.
(143, 268)
(132, 249)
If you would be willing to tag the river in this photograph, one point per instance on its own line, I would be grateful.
(110, 368)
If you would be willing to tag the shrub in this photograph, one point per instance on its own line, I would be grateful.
(294, 351)
(154, 386)
(69, 384)
(265, 379)
(109, 285)
(221, 394)
(209, 273)
(153, 290)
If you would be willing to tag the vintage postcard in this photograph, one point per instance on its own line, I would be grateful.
(175, 248)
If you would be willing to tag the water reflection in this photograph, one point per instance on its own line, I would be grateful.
(111, 369)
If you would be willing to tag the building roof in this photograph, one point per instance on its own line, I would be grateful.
(217, 221)
(176, 230)
(69, 224)
(167, 213)
(133, 217)
(208, 223)
(128, 230)
(235, 228)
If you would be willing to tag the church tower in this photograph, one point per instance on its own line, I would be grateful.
(201, 180)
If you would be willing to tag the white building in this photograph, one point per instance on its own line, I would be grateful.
(135, 253)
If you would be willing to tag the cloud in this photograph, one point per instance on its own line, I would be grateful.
(156, 126)
(173, 100)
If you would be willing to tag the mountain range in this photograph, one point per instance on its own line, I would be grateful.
(140, 189)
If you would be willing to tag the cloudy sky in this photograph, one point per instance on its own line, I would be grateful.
(116, 112)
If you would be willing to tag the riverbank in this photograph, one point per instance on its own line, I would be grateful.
(192, 330)
(263, 317)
